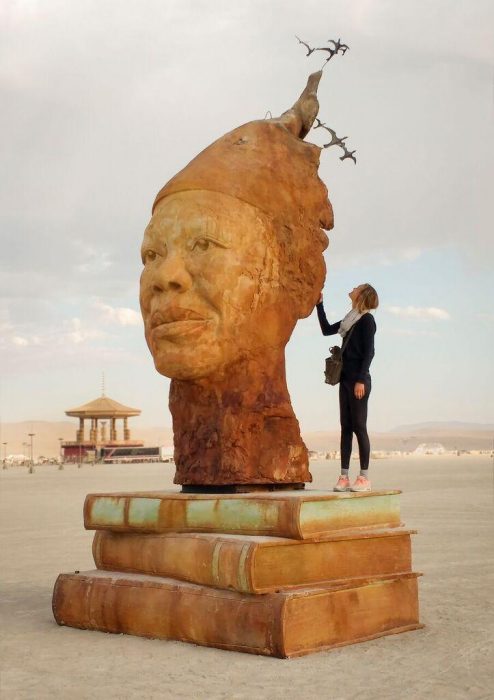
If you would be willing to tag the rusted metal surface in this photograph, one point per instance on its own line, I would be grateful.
(222, 343)
(295, 514)
(279, 624)
(165, 609)
(252, 564)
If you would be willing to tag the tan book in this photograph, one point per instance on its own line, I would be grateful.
(283, 624)
(255, 564)
(294, 514)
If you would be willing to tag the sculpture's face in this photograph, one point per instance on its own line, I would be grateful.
(210, 292)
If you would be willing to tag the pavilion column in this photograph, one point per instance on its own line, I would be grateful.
(80, 432)
(113, 430)
(126, 429)
(103, 431)
(92, 432)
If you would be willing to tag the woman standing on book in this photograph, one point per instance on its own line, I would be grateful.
(355, 382)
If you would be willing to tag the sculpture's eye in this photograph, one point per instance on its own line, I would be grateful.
(148, 256)
(202, 244)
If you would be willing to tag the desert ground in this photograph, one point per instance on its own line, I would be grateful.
(448, 499)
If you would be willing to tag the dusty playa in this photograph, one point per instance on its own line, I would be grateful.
(450, 500)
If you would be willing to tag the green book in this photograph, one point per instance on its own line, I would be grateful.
(295, 514)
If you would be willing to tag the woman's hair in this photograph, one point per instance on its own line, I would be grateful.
(367, 299)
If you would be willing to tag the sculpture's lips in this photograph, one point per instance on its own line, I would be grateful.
(175, 321)
(174, 313)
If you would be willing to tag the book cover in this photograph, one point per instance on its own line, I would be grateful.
(283, 624)
(255, 564)
(293, 514)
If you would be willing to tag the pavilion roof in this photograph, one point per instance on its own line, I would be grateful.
(103, 407)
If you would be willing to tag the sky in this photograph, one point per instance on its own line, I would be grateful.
(103, 101)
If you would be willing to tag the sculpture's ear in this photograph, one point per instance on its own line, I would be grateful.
(300, 118)
(302, 266)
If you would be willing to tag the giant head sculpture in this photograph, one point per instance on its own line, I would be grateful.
(233, 257)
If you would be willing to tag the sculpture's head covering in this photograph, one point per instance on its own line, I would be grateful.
(267, 164)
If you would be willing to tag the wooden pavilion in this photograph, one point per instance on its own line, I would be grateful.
(100, 413)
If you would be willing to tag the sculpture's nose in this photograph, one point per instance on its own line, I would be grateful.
(171, 274)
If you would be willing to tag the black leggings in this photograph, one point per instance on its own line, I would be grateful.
(353, 419)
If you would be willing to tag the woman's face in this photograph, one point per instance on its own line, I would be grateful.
(354, 294)
(210, 291)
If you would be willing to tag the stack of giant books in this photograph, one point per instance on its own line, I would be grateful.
(276, 573)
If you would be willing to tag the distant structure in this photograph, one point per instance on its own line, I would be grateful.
(430, 448)
(100, 413)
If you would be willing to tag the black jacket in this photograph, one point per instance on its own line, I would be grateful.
(359, 351)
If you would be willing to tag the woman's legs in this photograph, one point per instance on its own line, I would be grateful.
(346, 390)
(353, 419)
(358, 408)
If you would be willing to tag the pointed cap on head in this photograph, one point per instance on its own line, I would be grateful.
(267, 164)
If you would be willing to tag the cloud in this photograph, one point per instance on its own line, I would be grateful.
(411, 332)
(78, 333)
(70, 343)
(407, 254)
(93, 260)
(119, 315)
(61, 337)
(20, 341)
(72, 332)
(387, 257)
(429, 312)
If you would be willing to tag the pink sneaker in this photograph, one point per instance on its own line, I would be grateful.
(343, 484)
(362, 483)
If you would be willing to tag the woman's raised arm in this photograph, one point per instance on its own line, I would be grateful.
(326, 327)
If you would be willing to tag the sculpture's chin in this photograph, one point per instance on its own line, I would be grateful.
(179, 368)
(183, 357)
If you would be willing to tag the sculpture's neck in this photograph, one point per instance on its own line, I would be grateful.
(254, 384)
(238, 429)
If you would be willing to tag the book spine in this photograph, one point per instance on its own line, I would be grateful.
(215, 562)
(161, 608)
(155, 515)
(131, 513)
(296, 509)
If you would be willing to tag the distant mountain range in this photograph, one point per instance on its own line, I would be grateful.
(446, 426)
(453, 435)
